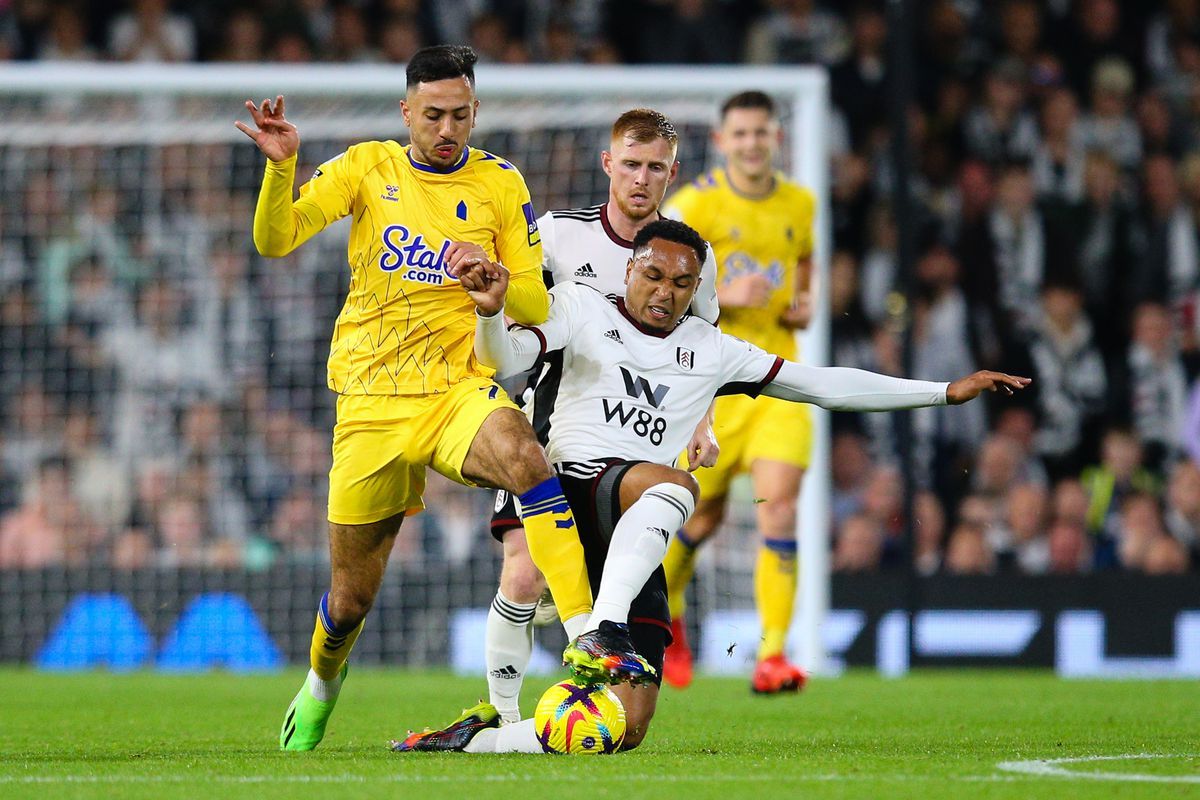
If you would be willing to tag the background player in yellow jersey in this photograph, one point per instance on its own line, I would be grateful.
(760, 226)
(411, 393)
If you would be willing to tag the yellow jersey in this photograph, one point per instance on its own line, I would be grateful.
(766, 235)
(407, 327)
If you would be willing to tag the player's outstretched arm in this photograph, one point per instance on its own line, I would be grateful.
(845, 389)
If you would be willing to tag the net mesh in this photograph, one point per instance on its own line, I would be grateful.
(165, 422)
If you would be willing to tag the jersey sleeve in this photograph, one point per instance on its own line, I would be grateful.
(282, 224)
(519, 347)
(745, 368)
(519, 249)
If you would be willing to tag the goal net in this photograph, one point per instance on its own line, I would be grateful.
(164, 421)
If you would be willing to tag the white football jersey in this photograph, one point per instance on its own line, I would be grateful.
(617, 390)
(580, 245)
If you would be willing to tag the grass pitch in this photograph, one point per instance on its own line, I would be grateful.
(931, 735)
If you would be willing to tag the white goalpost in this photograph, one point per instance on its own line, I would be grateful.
(139, 168)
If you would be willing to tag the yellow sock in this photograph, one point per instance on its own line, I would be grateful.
(330, 647)
(555, 548)
(775, 581)
(680, 565)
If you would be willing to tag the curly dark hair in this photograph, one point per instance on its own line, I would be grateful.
(441, 61)
(671, 230)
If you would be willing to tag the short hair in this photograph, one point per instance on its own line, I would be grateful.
(645, 125)
(441, 61)
(671, 230)
(749, 99)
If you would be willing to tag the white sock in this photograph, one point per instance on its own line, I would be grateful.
(520, 737)
(576, 625)
(638, 545)
(324, 690)
(508, 646)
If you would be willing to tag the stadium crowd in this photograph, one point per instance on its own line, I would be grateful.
(163, 400)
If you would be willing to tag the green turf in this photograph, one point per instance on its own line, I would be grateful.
(930, 735)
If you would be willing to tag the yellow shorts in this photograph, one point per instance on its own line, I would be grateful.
(749, 429)
(382, 445)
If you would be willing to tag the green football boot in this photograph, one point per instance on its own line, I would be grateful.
(304, 724)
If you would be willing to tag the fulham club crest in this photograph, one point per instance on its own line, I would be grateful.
(685, 357)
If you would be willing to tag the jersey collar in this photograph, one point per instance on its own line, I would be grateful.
(642, 328)
(462, 161)
(751, 197)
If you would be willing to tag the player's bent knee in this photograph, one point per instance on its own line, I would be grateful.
(778, 516)
(520, 580)
(349, 606)
(635, 731)
(527, 465)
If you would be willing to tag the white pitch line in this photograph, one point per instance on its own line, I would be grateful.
(1050, 767)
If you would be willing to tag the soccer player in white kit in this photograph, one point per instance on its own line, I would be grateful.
(590, 246)
(637, 374)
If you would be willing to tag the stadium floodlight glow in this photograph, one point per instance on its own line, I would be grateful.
(549, 121)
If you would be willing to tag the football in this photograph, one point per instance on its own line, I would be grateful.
(579, 719)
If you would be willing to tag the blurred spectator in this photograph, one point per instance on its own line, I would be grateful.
(1139, 526)
(48, 528)
(1169, 260)
(859, 545)
(1119, 475)
(244, 38)
(1183, 506)
(850, 464)
(1019, 245)
(349, 41)
(1058, 160)
(1021, 542)
(1021, 30)
(1070, 502)
(929, 531)
(1096, 34)
(1165, 556)
(399, 39)
(489, 36)
(162, 363)
(1070, 549)
(98, 480)
(1000, 129)
(150, 32)
(796, 32)
(1109, 126)
(1069, 379)
(967, 552)
(66, 37)
(1152, 392)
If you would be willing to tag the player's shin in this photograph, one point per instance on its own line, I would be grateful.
(555, 548)
(507, 649)
(680, 565)
(331, 645)
(775, 581)
(638, 545)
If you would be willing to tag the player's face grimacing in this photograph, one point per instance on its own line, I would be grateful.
(440, 116)
(640, 173)
(748, 138)
(660, 283)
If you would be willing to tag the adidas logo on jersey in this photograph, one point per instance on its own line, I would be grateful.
(585, 271)
(507, 672)
(614, 334)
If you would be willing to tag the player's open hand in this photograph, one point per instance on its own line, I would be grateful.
(275, 136)
(972, 386)
(745, 291)
(485, 285)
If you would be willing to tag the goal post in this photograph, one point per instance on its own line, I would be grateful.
(161, 138)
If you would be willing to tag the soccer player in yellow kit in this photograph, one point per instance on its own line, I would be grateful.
(411, 393)
(760, 226)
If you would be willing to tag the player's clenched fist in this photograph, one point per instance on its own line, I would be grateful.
(485, 286)
(275, 136)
